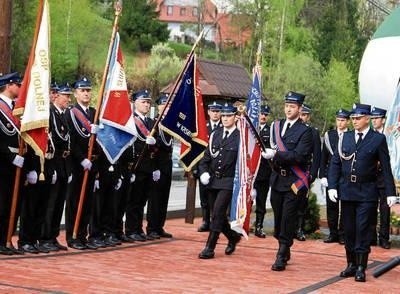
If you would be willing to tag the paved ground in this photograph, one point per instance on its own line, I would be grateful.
(172, 266)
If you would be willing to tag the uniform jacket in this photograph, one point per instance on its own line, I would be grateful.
(164, 152)
(210, 128)
(264, 170)
(220, 159)
(298, 140)
(8, 138)
(316, 154)
(356, 178)
(333, 137)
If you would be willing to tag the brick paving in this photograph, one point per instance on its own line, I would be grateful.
(172, 266)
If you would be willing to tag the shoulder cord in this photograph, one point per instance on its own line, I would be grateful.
(272, 136)
(342, 156)
(163, 139)
(328, 143)
(213, 154)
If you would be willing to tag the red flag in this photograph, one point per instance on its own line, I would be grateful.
(33, 101)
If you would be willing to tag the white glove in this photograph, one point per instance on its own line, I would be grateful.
(18, 161)
(70, 179)
(118, 185)
(332, 193)
(32, 177)
(54, 178)
(94, 129)
(253, 194)
(133, 178)
(156, 175)
(391, 200)
(150, 140)
(205, 178)
(324, 182)
(268, 153)
(96, 185)
(86, 164)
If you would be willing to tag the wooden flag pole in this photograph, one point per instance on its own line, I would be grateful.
(118, 9)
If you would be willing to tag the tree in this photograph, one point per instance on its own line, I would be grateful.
(140, 26)
(5, 35)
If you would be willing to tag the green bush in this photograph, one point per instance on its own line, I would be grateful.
(312, 216)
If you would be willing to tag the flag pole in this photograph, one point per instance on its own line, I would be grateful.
(169, 100)
(118, 9)
(14, 199)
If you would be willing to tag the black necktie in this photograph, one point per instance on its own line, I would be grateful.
(12, 104)
(215, 125)
(146, 122)
(287, 128)
(226, 134)
(359, 139)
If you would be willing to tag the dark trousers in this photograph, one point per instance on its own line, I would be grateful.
(121, 203)
(157, 205)
(34, 202)
(72, 201)
(358, 219)
(142, 189)
(6, 192)
(219, 201)
(333, 215)
(103, 206)
(55, 209)
(285, 206)
(262, 188)
(384, 217)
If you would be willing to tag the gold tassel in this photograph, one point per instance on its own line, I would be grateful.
(41, 176)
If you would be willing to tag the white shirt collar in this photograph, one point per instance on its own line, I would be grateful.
(7, 100)
(363, 132)
(59, 109)
(142, 117)
(230, 130)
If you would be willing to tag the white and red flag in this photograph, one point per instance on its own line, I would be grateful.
(33, 101)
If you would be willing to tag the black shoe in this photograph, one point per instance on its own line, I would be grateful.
(230, 248)
(15, 250)
(331, 239)
(385, 244)
(164, 234)
(108, 242)
(205, 227)
(95, 243)
(300, 235)
(49, 246)
(5, 251)
(153, 236)
(374, 243)
(207, 253)
(341, 240)
(126, 239)
(279, 265)
(138, 237)
(77, 245)
(360, 275)
(259, 232)
(41, 248)
(349, 271)
(29, 248)
(60, 246)
(113, 240)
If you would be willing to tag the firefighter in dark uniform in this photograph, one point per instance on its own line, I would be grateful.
(261, 184)
(61, 164)
(145, 173)
(9, 89)
(305, 116)
(214, 122)
(80, 118)
(217, 171)
(353, 171)
(330, 143)
(291, 155)
(157, 205)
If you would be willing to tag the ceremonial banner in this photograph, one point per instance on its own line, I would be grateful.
(185, 118)
(392, 132)
(248, 160)
(117, 129)
(33, 101)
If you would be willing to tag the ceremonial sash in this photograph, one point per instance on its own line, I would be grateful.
(141, 126)
(302, 176)
(5, 109)
(83, 120)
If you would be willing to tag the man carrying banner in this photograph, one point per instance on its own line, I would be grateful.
(9, 127)
(217, 171)
(292, 142)
(214, 122)
(378, 118)
(158, 202)
(80, 118)
(353, 171)
(61, 164)
(261, 184)
(145, 169)
(330, 144)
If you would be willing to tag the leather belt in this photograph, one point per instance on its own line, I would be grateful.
(361, 179)
(63, 153)
(218, 174)
(283, 172)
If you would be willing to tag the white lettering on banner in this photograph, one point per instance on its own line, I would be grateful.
(44, 59)
(39, 94)
(121, 78)
(185, 130)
